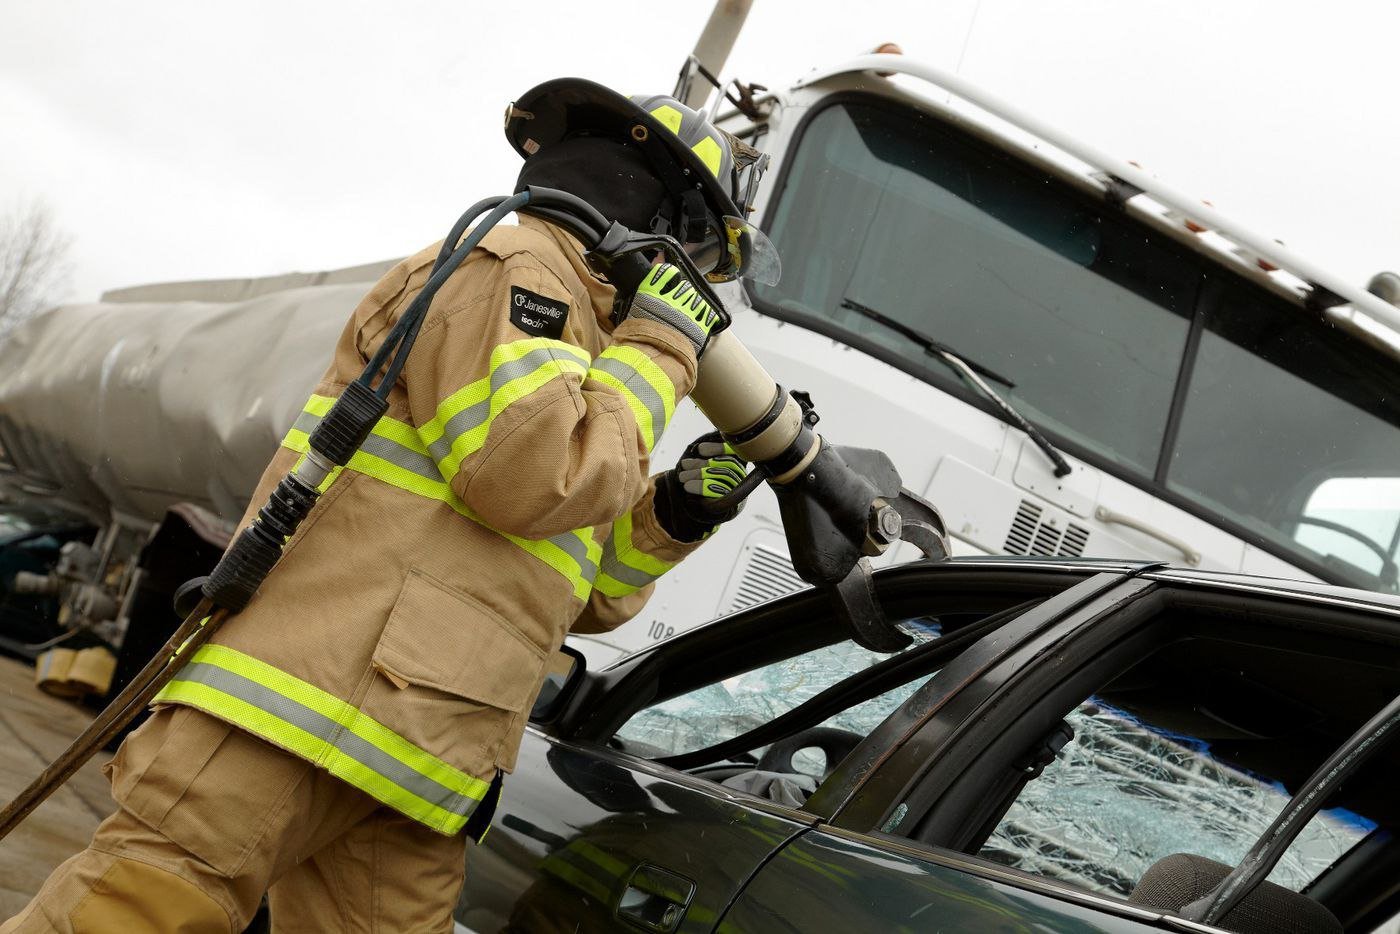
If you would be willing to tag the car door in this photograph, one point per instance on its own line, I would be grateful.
(589, 840)
(1061, 786)
(835, 880)
(851, 873)
(605, 825)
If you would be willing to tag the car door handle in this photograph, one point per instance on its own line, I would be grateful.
(655, 899)
(1110, 517)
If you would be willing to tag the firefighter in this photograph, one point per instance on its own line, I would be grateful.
(338, 741)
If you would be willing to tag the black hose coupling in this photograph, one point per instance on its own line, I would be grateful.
(243, 568)
(334, 440)
(346, 426)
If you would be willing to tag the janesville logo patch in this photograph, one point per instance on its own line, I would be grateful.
(537, 315)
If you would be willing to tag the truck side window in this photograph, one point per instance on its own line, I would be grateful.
(1294, 433)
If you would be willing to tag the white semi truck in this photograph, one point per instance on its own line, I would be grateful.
(1219, 402)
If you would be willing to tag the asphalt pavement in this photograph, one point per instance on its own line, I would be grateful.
(35, 728)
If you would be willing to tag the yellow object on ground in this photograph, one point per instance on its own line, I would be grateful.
(73, 673)
(211, 817)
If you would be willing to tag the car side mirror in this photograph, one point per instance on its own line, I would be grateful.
(563, 672)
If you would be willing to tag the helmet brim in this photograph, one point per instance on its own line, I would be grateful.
(563, 107)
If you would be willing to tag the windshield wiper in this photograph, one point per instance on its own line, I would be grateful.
(971, 372)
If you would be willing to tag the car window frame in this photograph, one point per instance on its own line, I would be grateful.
(789, 625)
(1218, 282)
(885, 790)
(1360, 617)
(882, 677)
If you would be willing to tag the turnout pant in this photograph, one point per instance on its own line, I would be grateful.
(210, 818)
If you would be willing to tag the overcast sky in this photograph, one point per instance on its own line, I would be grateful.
(187, 140)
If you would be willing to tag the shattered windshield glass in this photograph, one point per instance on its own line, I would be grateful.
(728, 708)
(1122, 795)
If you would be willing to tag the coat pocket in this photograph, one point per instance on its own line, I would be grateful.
(453, 676)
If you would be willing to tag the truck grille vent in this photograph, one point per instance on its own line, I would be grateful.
(1018, 540)
(1029, 535)
(769, 574)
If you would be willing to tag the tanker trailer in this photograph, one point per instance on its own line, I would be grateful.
(151, 414)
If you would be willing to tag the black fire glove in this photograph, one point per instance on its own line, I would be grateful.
(708, 470)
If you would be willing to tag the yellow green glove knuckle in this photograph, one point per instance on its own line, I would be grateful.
(667, 297)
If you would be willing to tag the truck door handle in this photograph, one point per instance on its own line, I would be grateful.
(655, 899)
(1108, 516)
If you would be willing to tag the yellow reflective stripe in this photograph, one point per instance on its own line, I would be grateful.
(640, 413)
(319, 405)
(649, 371)
(553, 554)
(469, 442)
(612, 587)
(379, 468)
(642, 382)
(575, 555)
(346, 715)
(327, 731)
(473, 393)
(301, 743)
(669, 117)
(465, 398)
(709, 152)
(625, 568)
(630, 555)
(180, 648)
(462, 422)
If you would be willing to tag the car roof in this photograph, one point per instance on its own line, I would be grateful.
(1304, 590)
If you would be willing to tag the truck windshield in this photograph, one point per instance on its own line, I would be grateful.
(1129, 349)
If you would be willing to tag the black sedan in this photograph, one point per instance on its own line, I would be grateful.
(1088, 746)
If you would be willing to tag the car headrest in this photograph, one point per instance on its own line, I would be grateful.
(1176, 881)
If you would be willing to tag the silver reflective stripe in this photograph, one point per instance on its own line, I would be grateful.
(383, 448)
(461, 423)
(576, 548)
(389, 450)
(636, 384)
(623, 573)
(306, 422)
(329, 732)
(400, 456)
(477, 414)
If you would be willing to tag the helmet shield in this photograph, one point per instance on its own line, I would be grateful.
(739, 251)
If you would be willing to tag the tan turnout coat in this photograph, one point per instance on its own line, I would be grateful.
(502, 502)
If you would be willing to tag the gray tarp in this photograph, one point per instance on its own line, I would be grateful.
(131, 406)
